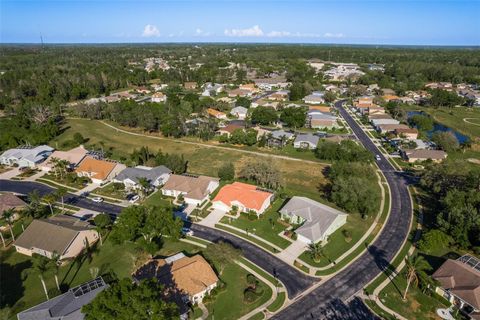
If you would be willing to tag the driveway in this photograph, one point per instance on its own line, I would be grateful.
(213, 218)
(10, 174)
(291, 253)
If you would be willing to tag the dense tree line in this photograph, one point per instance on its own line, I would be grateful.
(454, 189)
(346, 150)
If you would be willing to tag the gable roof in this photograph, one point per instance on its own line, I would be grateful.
(10, 201)
(246, 194)
(99, 169)
(318, 217)
(460, 279)
(194, 187)
(215, 113)
(426, 154)
(278, 134)
(73, 156)
(134, 174)
(307, 137)
(66, 306)
(230, 128)
(239, 109)
(52, 234)
(191, 275)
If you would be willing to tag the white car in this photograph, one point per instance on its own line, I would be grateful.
(187, 232)
(97, 199)
(134, 198)
(378, 157)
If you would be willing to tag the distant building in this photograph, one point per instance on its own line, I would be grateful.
(216, 114)
(229, 129)
(190, 85)
(423, 155)
(239, 112)
(306, 141)
(159, 97)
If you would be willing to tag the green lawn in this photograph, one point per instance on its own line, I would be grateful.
(158, 200)
(229, 304)
(278, 302)
(337, 243)
(112, 190)
(266, 227)
(24, 287)
(297, 175)
(77, 184)
(418, 305)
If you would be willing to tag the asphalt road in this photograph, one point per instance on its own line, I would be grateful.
(294, 280)
(25, 187)
(331, 299)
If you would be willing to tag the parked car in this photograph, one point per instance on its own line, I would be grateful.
(134, 198)
(97, 199)
(187, 232)
(377, 157)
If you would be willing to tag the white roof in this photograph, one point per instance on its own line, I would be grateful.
(34, 155)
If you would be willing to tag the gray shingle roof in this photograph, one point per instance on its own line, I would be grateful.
(318, 217)
(66, 306)
(277, 134)
(307, 137)
(136, 173)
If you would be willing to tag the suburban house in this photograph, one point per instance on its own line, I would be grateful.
(424, 154)
(9, 201)
(209, 89)
(65, 235)
(391, 128)
(317, 119)
(216, 114)
(186, 279)
(390, 97)
(378, 116)
(407, 133)
(130, 177)
(265, 103)
(279, 138)
(282, 95)
(314, 99)
(98, 170)
(377, 122)
(240, 93)
(229, 129)
(271, 83)
(321, 108)
(318, 220)
(239, 112)
(306, 141)
(195, 189)
(190, 85)
(245, 197)
(26, 156)
(248, 86)
(73, 157)
(459, 283)
(67, 306)
(159, 97)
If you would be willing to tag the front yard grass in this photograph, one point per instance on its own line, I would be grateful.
(78, 183)
(157, 199)
(230, 304)
(112, 190)
(266, 226)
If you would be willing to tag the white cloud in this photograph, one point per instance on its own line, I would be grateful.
(275, 34)
(254, 31)
(200, 32)
(333, 35)
(150, 31)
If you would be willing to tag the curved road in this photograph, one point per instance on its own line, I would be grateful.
(295, 281)
(329, 300)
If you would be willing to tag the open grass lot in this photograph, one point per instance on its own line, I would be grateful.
(229, 304)
(266, 226)
(454, 119)
(418, 305)
(24, 287)
(297, 175)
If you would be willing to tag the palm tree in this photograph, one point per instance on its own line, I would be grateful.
(316, 251)
(55, 263)
(40, 265)
(144, 185)
(415, 267)
(50, 199)
(60, 193)
(3, 239)
(8, 215)
(34, 201)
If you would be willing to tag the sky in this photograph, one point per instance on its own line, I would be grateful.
(404, 22)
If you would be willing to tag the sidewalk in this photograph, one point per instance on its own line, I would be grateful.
(291, 253)
(213, 218)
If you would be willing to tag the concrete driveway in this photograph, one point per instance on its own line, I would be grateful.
(10, 174)
(290, 253)
(213, 218)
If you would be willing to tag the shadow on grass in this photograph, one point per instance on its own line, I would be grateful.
(382, 263)
(11, 282)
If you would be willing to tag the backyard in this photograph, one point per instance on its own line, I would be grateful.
(298, 175)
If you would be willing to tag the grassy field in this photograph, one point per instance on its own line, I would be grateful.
(266, 226)
(297, 175)
(229, 304)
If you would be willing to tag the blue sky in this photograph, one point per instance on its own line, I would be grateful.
(350, 22)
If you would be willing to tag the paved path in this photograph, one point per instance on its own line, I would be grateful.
(332, 299)
(10, 174)
(256, 153)
(213, 218)
(291, 253)
(204, 311)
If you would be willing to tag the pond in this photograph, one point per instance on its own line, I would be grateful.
(440, 127)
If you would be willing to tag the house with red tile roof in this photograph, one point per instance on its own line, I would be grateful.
(245, 197)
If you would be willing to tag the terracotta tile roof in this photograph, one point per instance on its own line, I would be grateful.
(320, 108)
(10, 201)
(246, 194)
(97, 169)
(462, 280)
(215, 113)
(188, 274)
